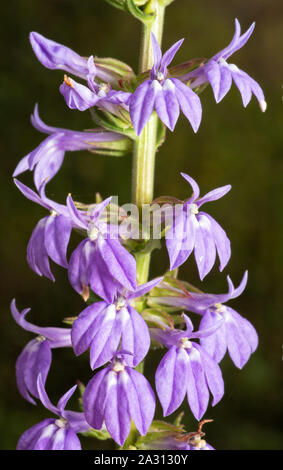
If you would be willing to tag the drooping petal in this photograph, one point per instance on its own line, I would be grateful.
(57, 235)
(71, 440)
(174, 238)
(243, 86)
(166, 104)
(46, 439)
(171, 379)
(101, 280)
(221, 240)
(94, 398)
(141, 400)
(86, 326)
(35, 359)
(215, 344)
(29, 438)
(197, 391)
(117, 414)
(205, 251)
(106, 342)
(135, 336)
(46, 159)
(44, 397)
(36, 252)
(225, 83)
(213, 75)
(213, 375)
(120, 263)
(141, 104)
(241, 338)
(189, 103)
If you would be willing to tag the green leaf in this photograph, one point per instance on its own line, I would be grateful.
(120, 4)
(145, 18)
(161, 134)
(112, 123)
(101, 435)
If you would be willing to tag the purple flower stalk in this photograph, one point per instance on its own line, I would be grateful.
(117, 394)
(103, 326)
(55, 434)
(47, 158)
(220, 74)
(198, 231)
(36, 357)
(165, 95)
(99, 261)
(187, 369)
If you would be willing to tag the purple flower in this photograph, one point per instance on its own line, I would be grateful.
(47, 158)
(186, 369)
(219, 73)
(99, 261)
(55, 434)
(198, 231)
(235, 334)
(103, 326)
(81, 97)
(165, 95)
(116, 395)
(56, 56)
(36, 357)
(51, 235)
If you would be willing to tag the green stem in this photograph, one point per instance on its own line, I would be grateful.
(145, 146)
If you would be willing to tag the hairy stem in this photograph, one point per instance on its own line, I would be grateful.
(145, 146)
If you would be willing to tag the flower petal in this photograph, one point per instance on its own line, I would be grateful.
(57, 235)
(141, 105)
(166, 104)
(171, 379)
(189, 103)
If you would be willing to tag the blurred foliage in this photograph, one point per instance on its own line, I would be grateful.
(233, 145)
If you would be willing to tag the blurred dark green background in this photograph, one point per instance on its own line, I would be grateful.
(233, 145)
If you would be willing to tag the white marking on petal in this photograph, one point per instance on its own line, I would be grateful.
(156, 86)
(111, 379)
(48, 431)
(233, 68)
(168, 85)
